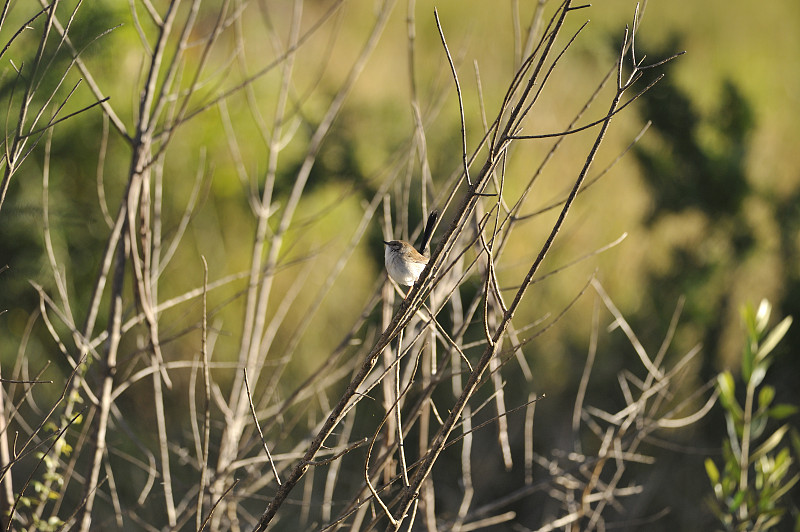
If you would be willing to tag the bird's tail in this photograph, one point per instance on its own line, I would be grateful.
(426, 235)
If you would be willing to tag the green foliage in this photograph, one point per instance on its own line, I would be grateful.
(758, 468)
(47, 486)
(701, 162)
(694, 161)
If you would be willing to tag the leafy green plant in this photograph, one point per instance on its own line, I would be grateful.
(758, 466)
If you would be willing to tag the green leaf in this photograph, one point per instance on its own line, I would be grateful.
(733, 441)
(762, 315)
(66, 449)
(749, 319)
(775, 336)
(757, 426)
(782, 411)
(765, 396)
(759, 372)
(770, 444)
(54, 521)
(729, 485)
(712, 471)
(748, 356)
(796, 444)
(780, 467)
(727, 389)
(737, 501)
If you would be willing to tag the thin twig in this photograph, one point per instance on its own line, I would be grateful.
(258, 426)
(458, 93)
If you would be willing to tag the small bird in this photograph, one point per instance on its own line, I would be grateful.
(403, 262)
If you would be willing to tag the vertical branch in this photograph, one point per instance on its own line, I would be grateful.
(109, 366)
(389, 357)
(163, 444)
(466, 445)
(6, 480)
(427, 499)
(201, 491)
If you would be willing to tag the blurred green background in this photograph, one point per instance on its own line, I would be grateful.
(710, 197)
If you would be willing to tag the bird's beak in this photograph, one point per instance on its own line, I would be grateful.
(385, 242)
